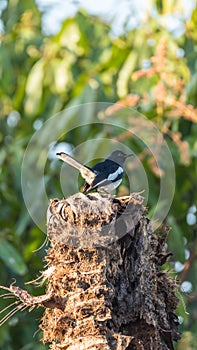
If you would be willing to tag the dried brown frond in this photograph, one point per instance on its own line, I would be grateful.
(131, 100)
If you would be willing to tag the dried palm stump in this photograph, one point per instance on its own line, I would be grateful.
(104, 273)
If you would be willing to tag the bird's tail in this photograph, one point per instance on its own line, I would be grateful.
(86, 173)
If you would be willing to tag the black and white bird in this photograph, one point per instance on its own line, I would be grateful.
(104, 176)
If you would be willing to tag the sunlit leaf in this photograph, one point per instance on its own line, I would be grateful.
(34, 89)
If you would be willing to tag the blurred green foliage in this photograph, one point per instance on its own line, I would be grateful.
(146, 69)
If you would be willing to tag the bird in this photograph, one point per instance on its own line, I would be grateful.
(103, 176)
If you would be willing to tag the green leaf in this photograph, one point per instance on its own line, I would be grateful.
(175, 240)
(12, 258)
(125, 74)
(34, 88)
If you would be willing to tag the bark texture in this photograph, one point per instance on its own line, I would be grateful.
(105, 278)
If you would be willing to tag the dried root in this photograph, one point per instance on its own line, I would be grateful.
(25, 301)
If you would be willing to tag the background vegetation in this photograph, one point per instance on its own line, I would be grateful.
(148, 68)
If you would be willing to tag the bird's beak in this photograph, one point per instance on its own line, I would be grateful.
(129, 155)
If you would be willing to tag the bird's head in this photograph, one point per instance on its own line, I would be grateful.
(119, 156)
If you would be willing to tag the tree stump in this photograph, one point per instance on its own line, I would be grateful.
(104, 273)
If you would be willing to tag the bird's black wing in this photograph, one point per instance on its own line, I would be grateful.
(106, 172)
(108, 166)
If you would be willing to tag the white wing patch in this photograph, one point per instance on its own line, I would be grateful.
(110, 178)
(113, 176)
